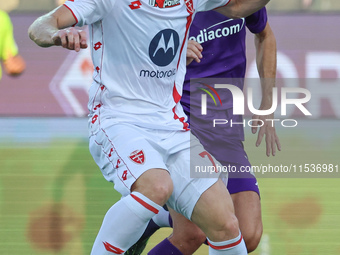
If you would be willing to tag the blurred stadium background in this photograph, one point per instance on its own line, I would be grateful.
(53, 196)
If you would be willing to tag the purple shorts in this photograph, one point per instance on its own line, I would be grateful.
(238, 182)
(231, 153)
(239, 176)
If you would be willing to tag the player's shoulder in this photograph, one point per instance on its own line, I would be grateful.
(260, 13)
(257, 21)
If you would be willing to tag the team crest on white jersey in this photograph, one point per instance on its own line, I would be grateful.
(190, 6)
(164, 3)
(137, 156)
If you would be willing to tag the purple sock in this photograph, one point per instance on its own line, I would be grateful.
(165, 248)
(150, 229)
(170, 221)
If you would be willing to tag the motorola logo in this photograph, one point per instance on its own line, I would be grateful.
(163, 47)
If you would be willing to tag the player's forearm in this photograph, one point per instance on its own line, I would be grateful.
(266, 61)
(242, 8)
(42, 30)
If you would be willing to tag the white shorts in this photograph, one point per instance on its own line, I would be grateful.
(124, 152)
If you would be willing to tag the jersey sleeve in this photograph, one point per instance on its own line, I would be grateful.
(89, 11)
(257, 21)
(9, 47)
(207, 5)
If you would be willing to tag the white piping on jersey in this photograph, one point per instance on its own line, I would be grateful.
(228, 20)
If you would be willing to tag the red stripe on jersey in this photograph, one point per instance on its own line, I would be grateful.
(72, 14)
(226, 246)
(177, 97)
(175, 94)
(109, 247)
(185, 124)
(145, 204)
(103, 47)
(189, 20)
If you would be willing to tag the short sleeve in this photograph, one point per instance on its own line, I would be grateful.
(207, 5)
(87, 12)
(257, 21)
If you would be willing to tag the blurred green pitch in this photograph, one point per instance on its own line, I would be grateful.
(53, 196)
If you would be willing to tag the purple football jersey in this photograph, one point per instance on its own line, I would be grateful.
(224, 56)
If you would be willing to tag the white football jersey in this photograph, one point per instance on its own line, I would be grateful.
(139, 56)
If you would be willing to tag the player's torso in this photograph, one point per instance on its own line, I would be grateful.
(223, 42)
(224, 55)
(139, 45)
(136, 51)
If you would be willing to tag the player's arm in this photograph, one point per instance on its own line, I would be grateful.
(241, 8)
(55, 28)
(265, 44)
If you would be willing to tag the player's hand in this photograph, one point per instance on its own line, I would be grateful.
(71, 38)
(194, 52)
(268, 129)
(14, 65)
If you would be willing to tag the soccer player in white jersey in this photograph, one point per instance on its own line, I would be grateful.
(138, 132)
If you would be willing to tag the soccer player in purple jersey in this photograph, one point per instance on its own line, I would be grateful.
(217, 44)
